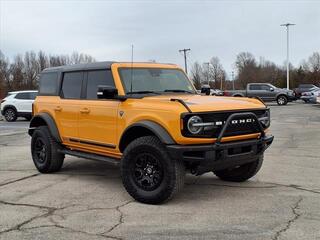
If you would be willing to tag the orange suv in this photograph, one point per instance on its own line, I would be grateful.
(149, 119)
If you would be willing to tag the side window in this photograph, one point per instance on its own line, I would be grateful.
(23, 96)
(265, 87)
(96, 78)
(48, 83)
(255, 87)
(71, 85)
(33, 95)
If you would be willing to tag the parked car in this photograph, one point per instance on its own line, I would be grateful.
(304, 88)
(310, 97)
(265, 91)
(206, 89)
(147, 118)
(18, 104)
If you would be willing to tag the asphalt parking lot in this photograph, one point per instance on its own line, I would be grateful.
(86, 199)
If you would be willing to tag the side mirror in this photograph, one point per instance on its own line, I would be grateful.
(107, 92)
(271, 89)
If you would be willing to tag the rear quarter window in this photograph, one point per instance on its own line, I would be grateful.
(48, 83)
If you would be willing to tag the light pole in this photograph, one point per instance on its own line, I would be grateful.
(287, 25)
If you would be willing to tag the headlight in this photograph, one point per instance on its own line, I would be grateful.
(193, 124)
(265, 119)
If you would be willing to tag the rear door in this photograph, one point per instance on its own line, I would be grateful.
(260, 90)
(23, 101)
(98, 117)
(66, 110)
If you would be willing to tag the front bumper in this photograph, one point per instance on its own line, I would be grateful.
(218, 156)
(292, 98)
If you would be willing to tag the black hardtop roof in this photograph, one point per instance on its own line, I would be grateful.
(88, 66)
(80, 67)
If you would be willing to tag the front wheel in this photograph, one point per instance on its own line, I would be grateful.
(148, 173)
(240, 173)
(10, 115)
(44, 149)
(282, 100)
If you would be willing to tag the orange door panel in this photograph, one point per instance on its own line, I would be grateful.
(97, 124)
(66, 113)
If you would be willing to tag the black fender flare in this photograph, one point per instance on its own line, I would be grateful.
(45, 119)
(153, 127)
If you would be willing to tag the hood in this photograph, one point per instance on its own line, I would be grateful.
(201, 103)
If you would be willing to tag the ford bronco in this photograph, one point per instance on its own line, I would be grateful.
(149, 119)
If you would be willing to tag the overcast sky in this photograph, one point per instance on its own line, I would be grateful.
(158, 29)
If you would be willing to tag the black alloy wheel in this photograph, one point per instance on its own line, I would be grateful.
(40, 151)
(147, 171)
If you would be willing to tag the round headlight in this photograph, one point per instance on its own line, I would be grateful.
(192, 125)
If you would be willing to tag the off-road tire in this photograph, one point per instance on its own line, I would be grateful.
(240, 173)
(173, 171)
(10, 114)
(48, 159)
(282, 100)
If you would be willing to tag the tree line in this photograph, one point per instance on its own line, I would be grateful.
(249, 70)
(23, 72)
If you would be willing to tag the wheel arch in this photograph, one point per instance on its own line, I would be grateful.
(282, 94)
(10, 106)
(44, 119)
(144, 128)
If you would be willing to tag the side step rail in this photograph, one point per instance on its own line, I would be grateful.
(92, 156)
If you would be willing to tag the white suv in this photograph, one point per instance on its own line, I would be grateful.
(18, 104)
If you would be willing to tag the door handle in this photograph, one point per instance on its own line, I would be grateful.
(85, 110)
(58, 109)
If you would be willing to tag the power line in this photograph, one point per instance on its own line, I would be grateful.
(185, 50)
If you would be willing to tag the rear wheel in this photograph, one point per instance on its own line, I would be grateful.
(10, 115)
(44, 151)
(282, 100)
(240, 173)
(148, 173)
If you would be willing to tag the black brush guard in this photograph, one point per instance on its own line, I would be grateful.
(208, 157)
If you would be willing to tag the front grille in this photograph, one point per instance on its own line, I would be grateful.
(239, 126)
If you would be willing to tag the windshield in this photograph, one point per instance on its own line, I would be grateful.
(157, 80)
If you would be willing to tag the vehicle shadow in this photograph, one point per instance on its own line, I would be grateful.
(196, 187)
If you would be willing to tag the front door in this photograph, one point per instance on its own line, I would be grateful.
(98, 117)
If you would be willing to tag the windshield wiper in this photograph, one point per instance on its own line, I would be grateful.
(177, 90)
(142, 92)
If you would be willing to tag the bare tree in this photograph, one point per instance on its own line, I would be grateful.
(216, 72)
(31, 70)
(247, 68)
(4, 74)
(196, 75)
(314, 62)
(43, 60)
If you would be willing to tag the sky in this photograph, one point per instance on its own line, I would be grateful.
(158, 29)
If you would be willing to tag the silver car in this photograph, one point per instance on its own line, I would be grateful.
(311, 97)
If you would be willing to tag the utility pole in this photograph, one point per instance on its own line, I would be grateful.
(185, 50)
(287, 25)
(208, 64)
(232, 74)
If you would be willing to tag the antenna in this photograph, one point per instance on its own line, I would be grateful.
(131, 68)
